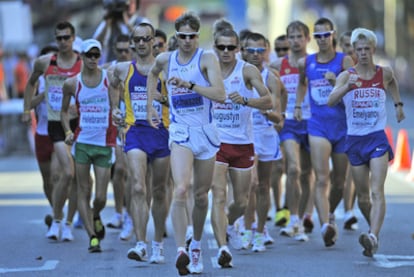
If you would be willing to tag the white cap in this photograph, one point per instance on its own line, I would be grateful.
(88, 44)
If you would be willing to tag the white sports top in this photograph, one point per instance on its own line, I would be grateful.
(187, 106)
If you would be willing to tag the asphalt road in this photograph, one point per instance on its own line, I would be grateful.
(25, 250)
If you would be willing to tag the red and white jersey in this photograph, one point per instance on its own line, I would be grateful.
(55, 76)
(289, 76)
(234, 121)
(365, 105)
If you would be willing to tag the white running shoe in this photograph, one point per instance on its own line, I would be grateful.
(224, 257)
(247, 239)
(234, 238)
(116, 221)
(290, 230)
(258, 242)
(300, 234)
(67, 232)
(139, 252)
(239, 225)
(127, 229)
(370, 244)
(157, 256)
(54, 231)
(196, 262)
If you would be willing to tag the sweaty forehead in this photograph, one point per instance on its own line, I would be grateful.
(186, 29)
(256, 43)
(322, 28)
(142, 31)
(63, 32)
(122, 44)
(282, 43)
(226, 40)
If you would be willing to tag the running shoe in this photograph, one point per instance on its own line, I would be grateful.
(54, 230)
(247, 239)
(282, 217)
(239, 225)
(67, 232)
(99, 228)
(258, 242)
(139, 252)
(234, 238)
(157, 256)
(224, 257)
(369, 243)
(116, 221)
(182, 261)
(308, 224)
(94, 246)
(350, 222)
(290, 230)
(196, 261)
(329, 235)
(48, 220)
(127, 229)
(300, 234)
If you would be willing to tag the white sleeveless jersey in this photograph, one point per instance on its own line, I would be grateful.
(94, 112)
(41, 110)
(260, 122)
(234, 121)
(187, 106)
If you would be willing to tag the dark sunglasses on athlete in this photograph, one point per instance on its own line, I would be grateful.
(91, 55)
(65, 37)
(258, 50)
(182, 35)
(284, 49)
(222, 47)
(144, 39)
(158, 45)
(122, 50)
(320, 35)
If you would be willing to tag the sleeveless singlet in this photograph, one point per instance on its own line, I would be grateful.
(135, 96)
(55, 76)
(289, 76)
(95, 121)
(319, 88)
(187, 106)
(365, 105)
(234, 121)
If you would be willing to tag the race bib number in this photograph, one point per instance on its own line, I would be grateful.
(320, 90)
(187, 103)
(55, 94)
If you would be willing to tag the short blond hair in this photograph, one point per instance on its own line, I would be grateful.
(362, 33)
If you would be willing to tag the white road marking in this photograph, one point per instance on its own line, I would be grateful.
(391, 261)
(49, 265)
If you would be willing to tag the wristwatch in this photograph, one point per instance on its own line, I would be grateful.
(191, 86)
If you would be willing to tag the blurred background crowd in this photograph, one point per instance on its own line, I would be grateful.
(27, 25)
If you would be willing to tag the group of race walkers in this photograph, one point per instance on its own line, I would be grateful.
(168, 126)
